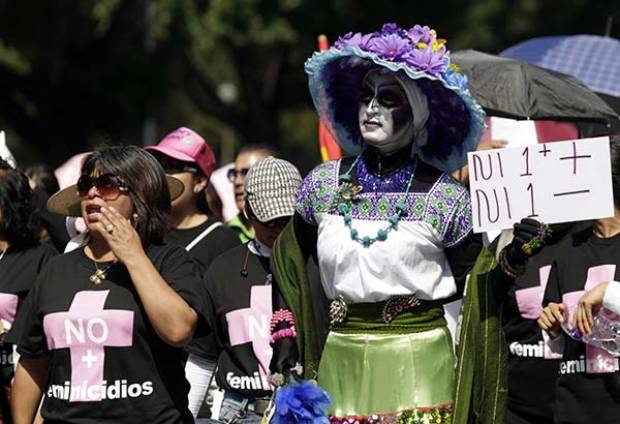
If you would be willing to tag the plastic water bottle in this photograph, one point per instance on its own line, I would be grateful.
(605, 332)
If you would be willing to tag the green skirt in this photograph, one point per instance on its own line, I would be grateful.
(397, 372)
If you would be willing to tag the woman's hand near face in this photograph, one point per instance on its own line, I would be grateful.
(551, 318)
(172, 318)
(124, 240)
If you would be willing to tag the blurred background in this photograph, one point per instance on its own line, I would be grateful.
(75, 74)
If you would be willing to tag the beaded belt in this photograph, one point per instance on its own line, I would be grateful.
(395, 305)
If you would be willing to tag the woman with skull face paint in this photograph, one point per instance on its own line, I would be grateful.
(391, 233)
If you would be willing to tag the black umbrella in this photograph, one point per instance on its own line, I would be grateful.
(514, 89)
(591, 129)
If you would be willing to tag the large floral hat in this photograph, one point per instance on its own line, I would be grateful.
(455, 121)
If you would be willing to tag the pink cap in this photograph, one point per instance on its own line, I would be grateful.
(186, 145)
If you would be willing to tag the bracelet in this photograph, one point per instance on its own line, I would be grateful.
(510, 270)
(281, 315)
(282, 334)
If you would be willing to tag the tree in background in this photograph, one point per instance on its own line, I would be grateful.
(74, 74)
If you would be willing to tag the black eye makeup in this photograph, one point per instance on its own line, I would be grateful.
(390, 96)
(366, 94)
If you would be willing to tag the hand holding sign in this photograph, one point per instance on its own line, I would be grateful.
(529, 238)
(556, 182)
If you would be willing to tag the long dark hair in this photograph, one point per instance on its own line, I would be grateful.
(147, 184)
(19, 221)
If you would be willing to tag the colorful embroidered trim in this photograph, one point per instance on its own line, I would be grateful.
(345, 202)
(446, 206)
(434, 415)
(282, 334)
(281, 315)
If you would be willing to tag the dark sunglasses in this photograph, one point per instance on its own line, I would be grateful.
(108, 186)
(172, 166)
(233, 173)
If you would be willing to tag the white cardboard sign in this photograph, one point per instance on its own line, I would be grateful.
(516, 133)
(553, 182)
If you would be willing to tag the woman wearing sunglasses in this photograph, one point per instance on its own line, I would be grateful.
(102, 331)
(21, 260)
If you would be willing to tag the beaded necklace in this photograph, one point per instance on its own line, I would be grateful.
(346, 195)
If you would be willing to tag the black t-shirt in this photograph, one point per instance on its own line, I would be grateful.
(18, 272)
(106, 362)
(532, 368)
(588, 387)
(219, 240)
(240, 312)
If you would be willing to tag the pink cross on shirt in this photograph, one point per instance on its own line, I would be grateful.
(252, 325)
(86, 329)
(529, 302)
(8, 307)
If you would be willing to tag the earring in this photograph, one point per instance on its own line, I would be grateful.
(134, 216)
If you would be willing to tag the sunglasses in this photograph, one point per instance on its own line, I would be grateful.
(108, 186)
(233, 173)
(172, 166)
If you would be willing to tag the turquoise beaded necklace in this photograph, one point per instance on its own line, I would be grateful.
(346, 194)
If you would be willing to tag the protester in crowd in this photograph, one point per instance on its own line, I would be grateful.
(520, 281)
(588, 387)
(186, 155)
(21, 258)
(102, 330)
(240, 293)
(52, 228)
(247, 156)
(392, 231)
(43, 177)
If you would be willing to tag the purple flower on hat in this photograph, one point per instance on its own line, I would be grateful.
(421, 34)
(427, 60)
(392, 28)
(390, 46)
(355, 40)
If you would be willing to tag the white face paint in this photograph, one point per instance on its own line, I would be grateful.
(385, 117)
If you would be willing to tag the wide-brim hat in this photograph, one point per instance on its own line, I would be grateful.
(335, 77)
(67, 201)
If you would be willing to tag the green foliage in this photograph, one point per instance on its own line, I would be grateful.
(78, 72)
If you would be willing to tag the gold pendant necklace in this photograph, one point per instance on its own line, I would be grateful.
(100, 274)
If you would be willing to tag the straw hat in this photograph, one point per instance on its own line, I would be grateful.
(67, 201)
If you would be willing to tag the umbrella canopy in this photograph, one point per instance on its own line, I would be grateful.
(593, 59)
(518, 90)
